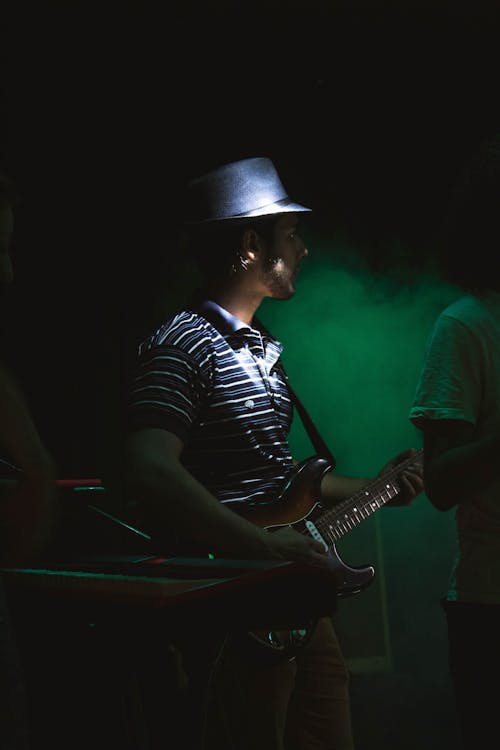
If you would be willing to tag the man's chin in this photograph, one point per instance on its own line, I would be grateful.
(285, 294)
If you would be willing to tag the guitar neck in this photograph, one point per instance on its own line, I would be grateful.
(349, 513)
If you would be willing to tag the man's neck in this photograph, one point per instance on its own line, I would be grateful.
(240, 303)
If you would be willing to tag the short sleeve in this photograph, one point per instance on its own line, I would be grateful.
(449, 386)
(166, 392)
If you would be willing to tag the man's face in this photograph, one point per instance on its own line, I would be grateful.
(284, 255)
(6, 227)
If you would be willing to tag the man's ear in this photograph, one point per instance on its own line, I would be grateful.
(251, 245)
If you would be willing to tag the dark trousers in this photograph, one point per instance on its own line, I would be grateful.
(302, 704)
(474, 659)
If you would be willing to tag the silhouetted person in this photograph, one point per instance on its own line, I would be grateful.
(27, 505)
(457, 407)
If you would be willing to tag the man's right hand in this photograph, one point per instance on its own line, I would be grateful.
(288, 544)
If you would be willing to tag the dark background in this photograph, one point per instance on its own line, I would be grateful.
(368, 110)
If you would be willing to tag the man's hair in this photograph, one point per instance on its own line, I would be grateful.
(470, 237)
(215, 246)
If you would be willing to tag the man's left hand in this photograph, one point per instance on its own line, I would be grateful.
(410, 480)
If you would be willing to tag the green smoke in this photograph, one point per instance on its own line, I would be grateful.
(354, 341)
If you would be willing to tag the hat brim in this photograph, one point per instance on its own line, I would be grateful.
(271, 209)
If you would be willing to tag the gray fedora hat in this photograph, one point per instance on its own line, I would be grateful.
(238, 190)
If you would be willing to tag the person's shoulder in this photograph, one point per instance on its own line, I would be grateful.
(469, 318)
(185, 329)
(472, 308)
(464, 309)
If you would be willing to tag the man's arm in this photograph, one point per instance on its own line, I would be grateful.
(28, 508)
(18, 434)
(335, 488)
(176, 500)
(456, 463)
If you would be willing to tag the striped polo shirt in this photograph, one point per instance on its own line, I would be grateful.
(218, 385)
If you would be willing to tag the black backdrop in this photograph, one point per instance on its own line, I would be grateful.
(366, 108)
(107, 109)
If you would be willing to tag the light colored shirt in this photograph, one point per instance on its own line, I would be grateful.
(460, 379)
(219, 385)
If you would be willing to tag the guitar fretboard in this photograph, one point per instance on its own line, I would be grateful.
(349, 513)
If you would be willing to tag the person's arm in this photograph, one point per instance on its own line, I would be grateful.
(456, 463)
(18, 435)
(176, 500)
(335, 488)
(27, 508)
(447, 405)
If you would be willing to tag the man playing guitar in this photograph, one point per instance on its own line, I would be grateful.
(208, 421)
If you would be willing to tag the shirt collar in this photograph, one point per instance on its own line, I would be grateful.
(216, 313)
(237, 333)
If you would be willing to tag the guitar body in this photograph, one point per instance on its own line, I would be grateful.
(299, 505)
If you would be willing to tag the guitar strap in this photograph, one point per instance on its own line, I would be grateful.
(319, 444)
(317, 441)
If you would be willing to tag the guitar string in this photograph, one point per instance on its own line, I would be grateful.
(326, 528)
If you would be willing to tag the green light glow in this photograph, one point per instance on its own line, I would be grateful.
(353, 347)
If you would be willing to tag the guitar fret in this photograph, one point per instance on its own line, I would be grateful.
(347, 514)
(334, 534)
(359, 512)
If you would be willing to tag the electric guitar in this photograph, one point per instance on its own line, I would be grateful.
(298, 506)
